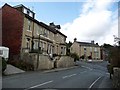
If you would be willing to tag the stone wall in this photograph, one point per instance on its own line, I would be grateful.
(44, 61)
(65, 61)
(116, 78)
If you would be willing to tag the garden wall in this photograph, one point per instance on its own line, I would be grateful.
(116, 78)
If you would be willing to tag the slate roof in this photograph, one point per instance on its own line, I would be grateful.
(87, 44)
(36, 21)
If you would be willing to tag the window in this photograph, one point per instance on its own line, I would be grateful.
(27, 43)
(28, 12)
(53, 49)
(48, 48)
(44, 45)
(95, 49)
(90, 49)
(41, 45)
(84, 48)
(40, 30)
(45, 33)
(37, 30)
(64, 49)
(61, 50)
(1, 52)
(31, 14)
(61, 39)
(36, 45)
(48, 33)
(29, 25)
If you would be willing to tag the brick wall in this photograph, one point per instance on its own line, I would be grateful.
(12, 26)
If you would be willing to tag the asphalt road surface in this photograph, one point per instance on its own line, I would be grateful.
(85, 75)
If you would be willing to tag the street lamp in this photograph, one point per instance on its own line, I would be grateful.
(38, 50)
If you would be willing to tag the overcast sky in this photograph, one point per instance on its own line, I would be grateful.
(85, 20)
(98, 21)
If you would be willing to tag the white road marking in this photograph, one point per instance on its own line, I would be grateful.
(39, 85)
(82, 72)
(108, 73)
(69, 76)
(87, 67)
(94, 82)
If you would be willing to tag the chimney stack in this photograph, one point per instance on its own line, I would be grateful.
(75, 39)
(92, 41)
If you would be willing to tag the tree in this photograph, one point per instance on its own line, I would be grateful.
(75, 56)
(68, 45)
(107, 46)
(113, 56)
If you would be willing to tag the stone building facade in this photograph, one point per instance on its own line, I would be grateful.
(21, 33)
(86, 50)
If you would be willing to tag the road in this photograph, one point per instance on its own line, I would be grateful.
(85, 75)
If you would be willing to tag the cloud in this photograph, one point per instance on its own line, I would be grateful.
(95, 22)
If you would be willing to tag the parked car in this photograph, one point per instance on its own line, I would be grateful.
(4, 52)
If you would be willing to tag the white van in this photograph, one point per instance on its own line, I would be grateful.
(4, 52)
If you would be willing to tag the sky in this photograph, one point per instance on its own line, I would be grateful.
(85, 20)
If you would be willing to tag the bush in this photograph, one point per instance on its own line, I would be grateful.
(82, 57)
(89, 57)
(114, 56)
(4, 64)
(22, 65)
(110, 68)
(75, 56)
(54, 55)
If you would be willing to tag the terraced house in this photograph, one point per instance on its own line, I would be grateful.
(86, 50)
(21, 32)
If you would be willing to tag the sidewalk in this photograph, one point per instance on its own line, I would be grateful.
(59, 69)
(106, 83)
(14, 70)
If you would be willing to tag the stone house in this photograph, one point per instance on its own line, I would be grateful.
(86, 50)
(21, 32)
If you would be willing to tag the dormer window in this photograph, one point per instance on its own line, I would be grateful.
(25, 10)
(28, 12)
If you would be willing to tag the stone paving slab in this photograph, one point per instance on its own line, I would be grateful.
(12, 70)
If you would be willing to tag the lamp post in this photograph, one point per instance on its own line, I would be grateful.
(38, 51)
(32, 44)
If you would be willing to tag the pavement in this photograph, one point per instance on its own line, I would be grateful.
(12, 70)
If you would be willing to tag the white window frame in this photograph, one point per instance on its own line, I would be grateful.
(27, 43)
(36, 45)
(90, 49)
(37, 30)
(1, 52)
(29, 26)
